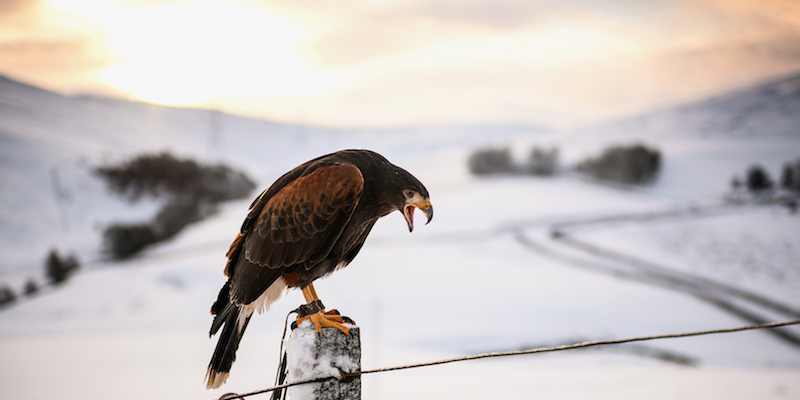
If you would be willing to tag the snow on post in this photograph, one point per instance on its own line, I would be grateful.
(310, 355)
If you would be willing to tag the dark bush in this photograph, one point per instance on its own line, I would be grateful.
(177, 214)
(490, 161)
(6, 295)
(790, 176)
(758, 179)
(122, 241)
(191, 190)
(736, 183)
(542, 162)
(31, 287)
(219, 183)
(58, 268)
(163, 174)
(633, 165)
(153, 175)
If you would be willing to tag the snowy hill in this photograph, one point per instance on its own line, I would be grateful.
(487, 274)
(769, 110)
(50, 142)
(706, 143)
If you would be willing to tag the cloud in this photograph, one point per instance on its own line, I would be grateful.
(18, 14)
(782, 48)
(515, 14)
(59, 64)
(360, 31)
(363, 40)
(495, 14)
(36, 47)
(50, 54)
(559, 62)
(360, 34)
(16, 6)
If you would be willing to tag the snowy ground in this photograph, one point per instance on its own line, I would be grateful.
(467, 283)
(749, 247)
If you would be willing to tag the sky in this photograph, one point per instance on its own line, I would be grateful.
(375, 63)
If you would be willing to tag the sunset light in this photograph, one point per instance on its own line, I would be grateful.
(191, 53)
(620, 174)
(366, 63)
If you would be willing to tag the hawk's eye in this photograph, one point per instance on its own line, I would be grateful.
(408, 193)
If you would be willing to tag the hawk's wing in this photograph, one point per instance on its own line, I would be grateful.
(297, 225)
(301, 223)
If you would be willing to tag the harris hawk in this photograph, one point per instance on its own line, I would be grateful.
(312, 221)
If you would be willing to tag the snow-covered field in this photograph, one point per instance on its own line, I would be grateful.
(461, 285)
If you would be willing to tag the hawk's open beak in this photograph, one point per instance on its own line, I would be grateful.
(417, 202)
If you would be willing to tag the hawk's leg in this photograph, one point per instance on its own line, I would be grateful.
(320, 319)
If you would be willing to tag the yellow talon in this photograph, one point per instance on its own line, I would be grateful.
(320, 319)
(325, 320)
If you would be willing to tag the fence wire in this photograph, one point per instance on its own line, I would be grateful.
(350, 375)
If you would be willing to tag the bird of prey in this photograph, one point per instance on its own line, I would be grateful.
(312, 221)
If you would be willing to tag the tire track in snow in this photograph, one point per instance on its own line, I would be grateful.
(745, 304)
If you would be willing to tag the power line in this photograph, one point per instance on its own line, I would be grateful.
(234, 396)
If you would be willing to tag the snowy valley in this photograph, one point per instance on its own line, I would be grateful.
(509, 262)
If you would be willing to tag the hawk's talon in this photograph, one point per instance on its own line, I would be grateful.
(336, 312)
(322, 319)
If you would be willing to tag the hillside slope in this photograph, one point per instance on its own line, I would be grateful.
(50, 142)
(463, 284)
(768, 110)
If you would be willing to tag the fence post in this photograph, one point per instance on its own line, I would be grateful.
(316, 355)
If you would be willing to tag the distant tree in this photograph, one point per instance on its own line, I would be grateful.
(59, 269)
(491, 161)
(124, 240)
(636, 164)
(31, 287)
(542, 162)
(792, 206)
(787, 176)
(162, 174)
(758, 179)
(176, 215)
(790, 176)
(7, 295)
(736, 183)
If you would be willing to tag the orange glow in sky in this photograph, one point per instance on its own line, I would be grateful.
(382, 63)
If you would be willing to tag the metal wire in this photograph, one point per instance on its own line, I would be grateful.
(350, 375)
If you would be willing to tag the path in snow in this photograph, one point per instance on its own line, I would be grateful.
(748, 305)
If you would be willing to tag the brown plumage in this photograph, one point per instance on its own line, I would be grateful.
(310, 222)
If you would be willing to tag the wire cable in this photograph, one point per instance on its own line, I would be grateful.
(350, 375)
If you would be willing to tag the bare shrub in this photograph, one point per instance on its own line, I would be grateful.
(758, 179)
(632, 165)
(31, 287)
(191, 190)
(790, 176)
(490, 161)
(164, 174)
(59, 268)
(542, 162)
(7, 295)
(124, 240)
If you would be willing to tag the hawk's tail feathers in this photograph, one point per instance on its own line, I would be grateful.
(235, 319)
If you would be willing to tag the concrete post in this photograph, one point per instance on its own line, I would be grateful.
(330, 353)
